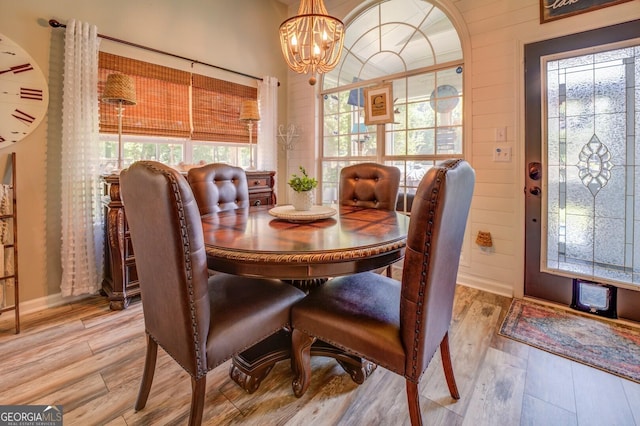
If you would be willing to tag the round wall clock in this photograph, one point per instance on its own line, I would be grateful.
(24, 94)
(444, 105)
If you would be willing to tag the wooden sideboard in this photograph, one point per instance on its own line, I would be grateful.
(120, 283)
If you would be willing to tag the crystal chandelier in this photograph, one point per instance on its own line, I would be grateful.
(312, 41)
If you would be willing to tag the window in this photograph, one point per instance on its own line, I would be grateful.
(412, 45)
(591, 184)
(180, 117)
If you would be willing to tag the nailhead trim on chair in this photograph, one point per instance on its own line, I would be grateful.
(201, 369)
(435, 193)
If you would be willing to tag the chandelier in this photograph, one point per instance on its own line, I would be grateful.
(312, 41)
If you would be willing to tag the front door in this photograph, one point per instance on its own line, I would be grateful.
(582, 194)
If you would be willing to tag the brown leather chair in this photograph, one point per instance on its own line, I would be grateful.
(200, 321)
(218, 186)
(397, 325)
(370, 185)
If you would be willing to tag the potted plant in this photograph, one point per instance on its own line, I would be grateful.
(302, 190)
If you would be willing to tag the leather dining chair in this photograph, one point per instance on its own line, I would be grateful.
(200, 321)
(397, 325)
(370, 185)
(218, 187)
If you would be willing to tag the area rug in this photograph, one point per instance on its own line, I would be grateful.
(609, 346)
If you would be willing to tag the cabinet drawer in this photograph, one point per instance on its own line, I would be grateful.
(258, 182)
(260, 199)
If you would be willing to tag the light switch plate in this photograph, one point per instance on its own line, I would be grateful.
(502, 153)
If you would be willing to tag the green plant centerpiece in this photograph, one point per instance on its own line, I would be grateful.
(303, 190)
(302, 183)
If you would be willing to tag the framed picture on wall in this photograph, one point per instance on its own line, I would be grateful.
(378, 104)
(550, 10)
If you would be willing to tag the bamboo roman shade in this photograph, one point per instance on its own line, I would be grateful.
(216, 109)
(165, 108)
(162, 93)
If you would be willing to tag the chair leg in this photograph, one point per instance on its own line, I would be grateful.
(413, 398)
(198, 388)
(301, 361)
(389, 271)
(448, 367)
(147, 375)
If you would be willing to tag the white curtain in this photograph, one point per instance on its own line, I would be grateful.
(82, 233)
(267, 132)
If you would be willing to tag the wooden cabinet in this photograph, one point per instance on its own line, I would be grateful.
(261, 191)
(120, 283)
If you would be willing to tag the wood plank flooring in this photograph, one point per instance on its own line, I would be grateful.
(89, 359)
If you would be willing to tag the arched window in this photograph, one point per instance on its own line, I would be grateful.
(407, 50)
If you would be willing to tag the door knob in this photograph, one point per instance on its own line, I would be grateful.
(535, 190)
(535, 170)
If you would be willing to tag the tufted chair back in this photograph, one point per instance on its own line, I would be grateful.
(369, 185)
(218, 187)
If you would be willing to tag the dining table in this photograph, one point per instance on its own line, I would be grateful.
(304, 249)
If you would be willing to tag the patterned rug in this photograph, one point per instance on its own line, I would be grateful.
(611, 347)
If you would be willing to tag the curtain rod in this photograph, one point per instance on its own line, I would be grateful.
(56, 24)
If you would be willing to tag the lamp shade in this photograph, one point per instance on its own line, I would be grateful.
(249, 110)
(120, 88)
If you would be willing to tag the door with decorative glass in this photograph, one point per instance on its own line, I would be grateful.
(583, 185)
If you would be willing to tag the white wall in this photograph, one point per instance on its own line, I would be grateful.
(493, 34)
(240, 35)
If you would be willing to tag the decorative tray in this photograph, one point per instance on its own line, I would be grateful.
(290, 214)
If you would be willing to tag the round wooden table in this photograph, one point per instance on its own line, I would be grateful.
(252, 242)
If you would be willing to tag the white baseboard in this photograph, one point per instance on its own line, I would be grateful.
(484, 284)
(51, 301)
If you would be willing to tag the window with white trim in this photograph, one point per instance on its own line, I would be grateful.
(412, 45)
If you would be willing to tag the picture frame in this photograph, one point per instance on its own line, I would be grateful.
(551, 10)
(378, 104)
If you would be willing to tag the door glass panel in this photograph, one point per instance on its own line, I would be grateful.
(592, 147)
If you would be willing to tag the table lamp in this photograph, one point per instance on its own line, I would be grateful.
(249, 113)
(120, 90)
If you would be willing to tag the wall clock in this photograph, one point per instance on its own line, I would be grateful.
(24, 93)
(444, 105)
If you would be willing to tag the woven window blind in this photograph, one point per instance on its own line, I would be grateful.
(162, 95)
(216, 110)
(163, 107)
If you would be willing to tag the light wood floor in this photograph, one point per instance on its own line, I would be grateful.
(90, 359)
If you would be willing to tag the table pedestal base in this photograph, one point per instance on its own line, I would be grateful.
(250, 367)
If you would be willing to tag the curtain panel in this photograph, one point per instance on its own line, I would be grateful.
(82, 249)
(268, 124)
